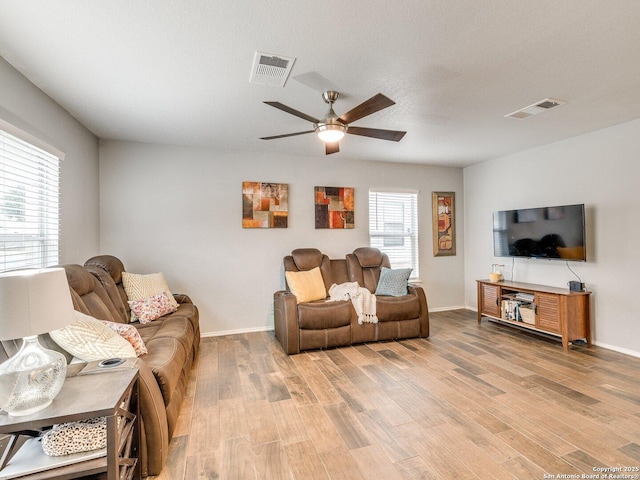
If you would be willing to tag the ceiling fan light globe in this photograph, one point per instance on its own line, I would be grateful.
(330, 133)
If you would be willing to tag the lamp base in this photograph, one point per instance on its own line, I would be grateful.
(31, 379)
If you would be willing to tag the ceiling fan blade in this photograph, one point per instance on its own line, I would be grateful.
(286, 135)
(331, 148)
(392, 135)
(292, 111)
(373, 105)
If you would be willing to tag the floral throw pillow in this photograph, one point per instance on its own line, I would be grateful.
(130, 334)
(151, 308)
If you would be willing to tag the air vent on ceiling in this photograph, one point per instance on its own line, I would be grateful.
(536, 108)
(272, 70)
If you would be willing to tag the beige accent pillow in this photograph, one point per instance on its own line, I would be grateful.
(89, 339)
(139, 287)
(307, 285)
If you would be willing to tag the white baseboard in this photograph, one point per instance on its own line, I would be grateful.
(237, 332)
(446, 309)
(626, 351)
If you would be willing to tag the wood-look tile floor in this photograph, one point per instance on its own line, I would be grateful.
(469, 402)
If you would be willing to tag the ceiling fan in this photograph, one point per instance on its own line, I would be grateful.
(332, 128)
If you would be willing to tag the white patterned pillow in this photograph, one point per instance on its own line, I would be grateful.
(139, 287)
(393, 282)
(89, 339)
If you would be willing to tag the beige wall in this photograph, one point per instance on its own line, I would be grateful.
(601, 170)
(179, 210)
(26, 107)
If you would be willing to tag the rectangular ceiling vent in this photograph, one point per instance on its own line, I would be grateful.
(536, 108)
(271, 70)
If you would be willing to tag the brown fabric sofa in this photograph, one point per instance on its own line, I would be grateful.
(324, 324)
(172, 343)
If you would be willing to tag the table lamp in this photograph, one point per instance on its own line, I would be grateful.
(32, 302)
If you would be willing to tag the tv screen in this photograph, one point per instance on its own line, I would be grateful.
(547, 232)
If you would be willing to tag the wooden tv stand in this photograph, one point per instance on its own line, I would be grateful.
(552, 310)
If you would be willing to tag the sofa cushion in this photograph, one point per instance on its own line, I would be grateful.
(179, 328)
(118, 298)
(306, 258)
(109, 263)
(322, 315)
(90, 296)
(147, 330)
(187, 310)
(307, 286)
(333, 337)
(406, 307)
(393, 282)
(368, 257)
(166, 358)
(89, 339)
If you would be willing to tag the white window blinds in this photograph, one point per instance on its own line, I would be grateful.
(393, 227)
(29, 205)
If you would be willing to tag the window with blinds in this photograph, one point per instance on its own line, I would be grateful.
(29, 205)
(393, 227)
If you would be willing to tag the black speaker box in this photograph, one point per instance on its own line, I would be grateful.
(576, 286)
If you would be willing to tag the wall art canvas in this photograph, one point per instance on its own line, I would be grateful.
(334, 207)
(444, 224)
(265, 205)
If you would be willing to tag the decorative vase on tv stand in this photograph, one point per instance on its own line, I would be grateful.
(496, 273)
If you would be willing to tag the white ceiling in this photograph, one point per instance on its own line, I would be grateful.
(177, 72)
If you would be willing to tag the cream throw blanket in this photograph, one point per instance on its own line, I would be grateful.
(364, 302)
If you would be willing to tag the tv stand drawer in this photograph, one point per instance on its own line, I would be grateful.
(548, 317)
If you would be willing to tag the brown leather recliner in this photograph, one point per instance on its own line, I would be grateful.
(323, 324)
(317, 324)
(398, 317)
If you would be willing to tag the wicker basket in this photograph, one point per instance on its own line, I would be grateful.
(528, 315)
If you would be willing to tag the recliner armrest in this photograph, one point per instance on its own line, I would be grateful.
(285, 319)
(182, 298)
(424, 309)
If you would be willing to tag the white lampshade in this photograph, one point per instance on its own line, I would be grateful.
(33, 302)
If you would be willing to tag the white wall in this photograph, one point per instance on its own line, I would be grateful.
(26, 107)
(179, 210)
(601, 170)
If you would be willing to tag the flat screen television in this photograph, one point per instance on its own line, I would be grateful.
(556, 233)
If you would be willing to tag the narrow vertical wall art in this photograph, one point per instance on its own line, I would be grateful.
(444, 224)
(265, 205)
(334, 207)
